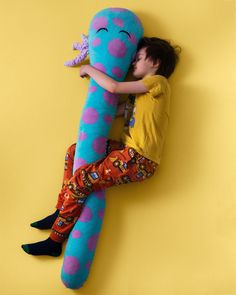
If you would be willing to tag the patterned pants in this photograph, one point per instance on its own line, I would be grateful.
(121, 165)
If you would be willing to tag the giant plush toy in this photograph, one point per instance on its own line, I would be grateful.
(111, 44)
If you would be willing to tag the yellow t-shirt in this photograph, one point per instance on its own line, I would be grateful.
(148, 124)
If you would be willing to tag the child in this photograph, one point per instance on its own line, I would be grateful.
(141, 142)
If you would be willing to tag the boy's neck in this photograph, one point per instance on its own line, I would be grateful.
(147, 75)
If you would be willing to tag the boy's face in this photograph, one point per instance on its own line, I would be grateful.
(142, 66)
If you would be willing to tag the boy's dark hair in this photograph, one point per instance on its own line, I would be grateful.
(162, 50)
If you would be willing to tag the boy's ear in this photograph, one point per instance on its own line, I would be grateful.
(157, 64)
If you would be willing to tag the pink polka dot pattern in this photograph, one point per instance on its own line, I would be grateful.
(117, 72)
(100, 195)
(76, 234)
(110, 98)
(99, 145)
(101, 213)
(71, 265)
(92, 242)
(90, 116)
(92, 89)
(82, 135)
(118, 22)
(79, 162)
(86, 214)
(96, 42)
(133, 39)
(118, 9)
(88, 264)
(108, 119)
(99, 22)
(100, 67)
(117, 48)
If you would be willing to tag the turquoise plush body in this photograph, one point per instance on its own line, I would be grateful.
(112, 40)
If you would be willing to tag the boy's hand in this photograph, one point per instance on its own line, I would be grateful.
(83, 71)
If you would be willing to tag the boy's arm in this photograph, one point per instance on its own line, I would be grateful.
(110, 84)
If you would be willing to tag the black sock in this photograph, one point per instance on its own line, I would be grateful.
(46, 247)
(47, 222)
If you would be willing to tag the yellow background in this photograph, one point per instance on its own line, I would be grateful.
(172, 235)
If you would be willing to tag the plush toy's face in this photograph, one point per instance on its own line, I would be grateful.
(113, 37)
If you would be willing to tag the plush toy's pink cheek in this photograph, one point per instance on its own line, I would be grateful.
(117, 48)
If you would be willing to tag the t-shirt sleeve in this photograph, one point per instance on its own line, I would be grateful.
(153, 84)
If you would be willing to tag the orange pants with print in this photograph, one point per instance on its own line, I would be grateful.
(121, 165)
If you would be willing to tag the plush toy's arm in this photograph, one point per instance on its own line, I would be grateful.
(84, 50)
(76, 46)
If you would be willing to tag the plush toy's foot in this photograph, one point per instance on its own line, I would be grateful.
(47, 222)
(46, 247)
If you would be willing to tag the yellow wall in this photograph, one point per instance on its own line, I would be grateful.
(172, 235)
